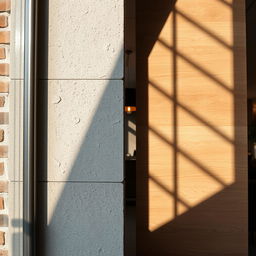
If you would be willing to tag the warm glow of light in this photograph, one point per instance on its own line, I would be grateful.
(129, 109)
(191, 110)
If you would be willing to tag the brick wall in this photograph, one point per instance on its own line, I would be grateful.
(5, 7)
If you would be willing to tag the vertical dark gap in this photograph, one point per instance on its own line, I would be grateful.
(251, 119)
(129, 131)
(42, 126)
(240, 108)
(143, 46)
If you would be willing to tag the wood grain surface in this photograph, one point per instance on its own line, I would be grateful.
(191, 128)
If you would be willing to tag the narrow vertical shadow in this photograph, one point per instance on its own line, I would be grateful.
(251, 95)
(42, 125)
(240, 111)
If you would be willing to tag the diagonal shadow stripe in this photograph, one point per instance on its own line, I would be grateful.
(188, 157)
(163, 187)
(193, 114)
(196, 66)
(225, 3)
(205, 30)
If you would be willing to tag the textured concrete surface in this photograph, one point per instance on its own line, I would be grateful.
(84, 43)
(85, 39)
(83, 219)
(85, 131)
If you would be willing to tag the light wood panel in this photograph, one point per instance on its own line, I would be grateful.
(191, 150)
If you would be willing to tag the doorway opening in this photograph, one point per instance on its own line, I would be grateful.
(251, 98)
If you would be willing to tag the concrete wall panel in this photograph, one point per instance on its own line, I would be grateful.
(83, 219)
(85, 39)
(85, 131)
